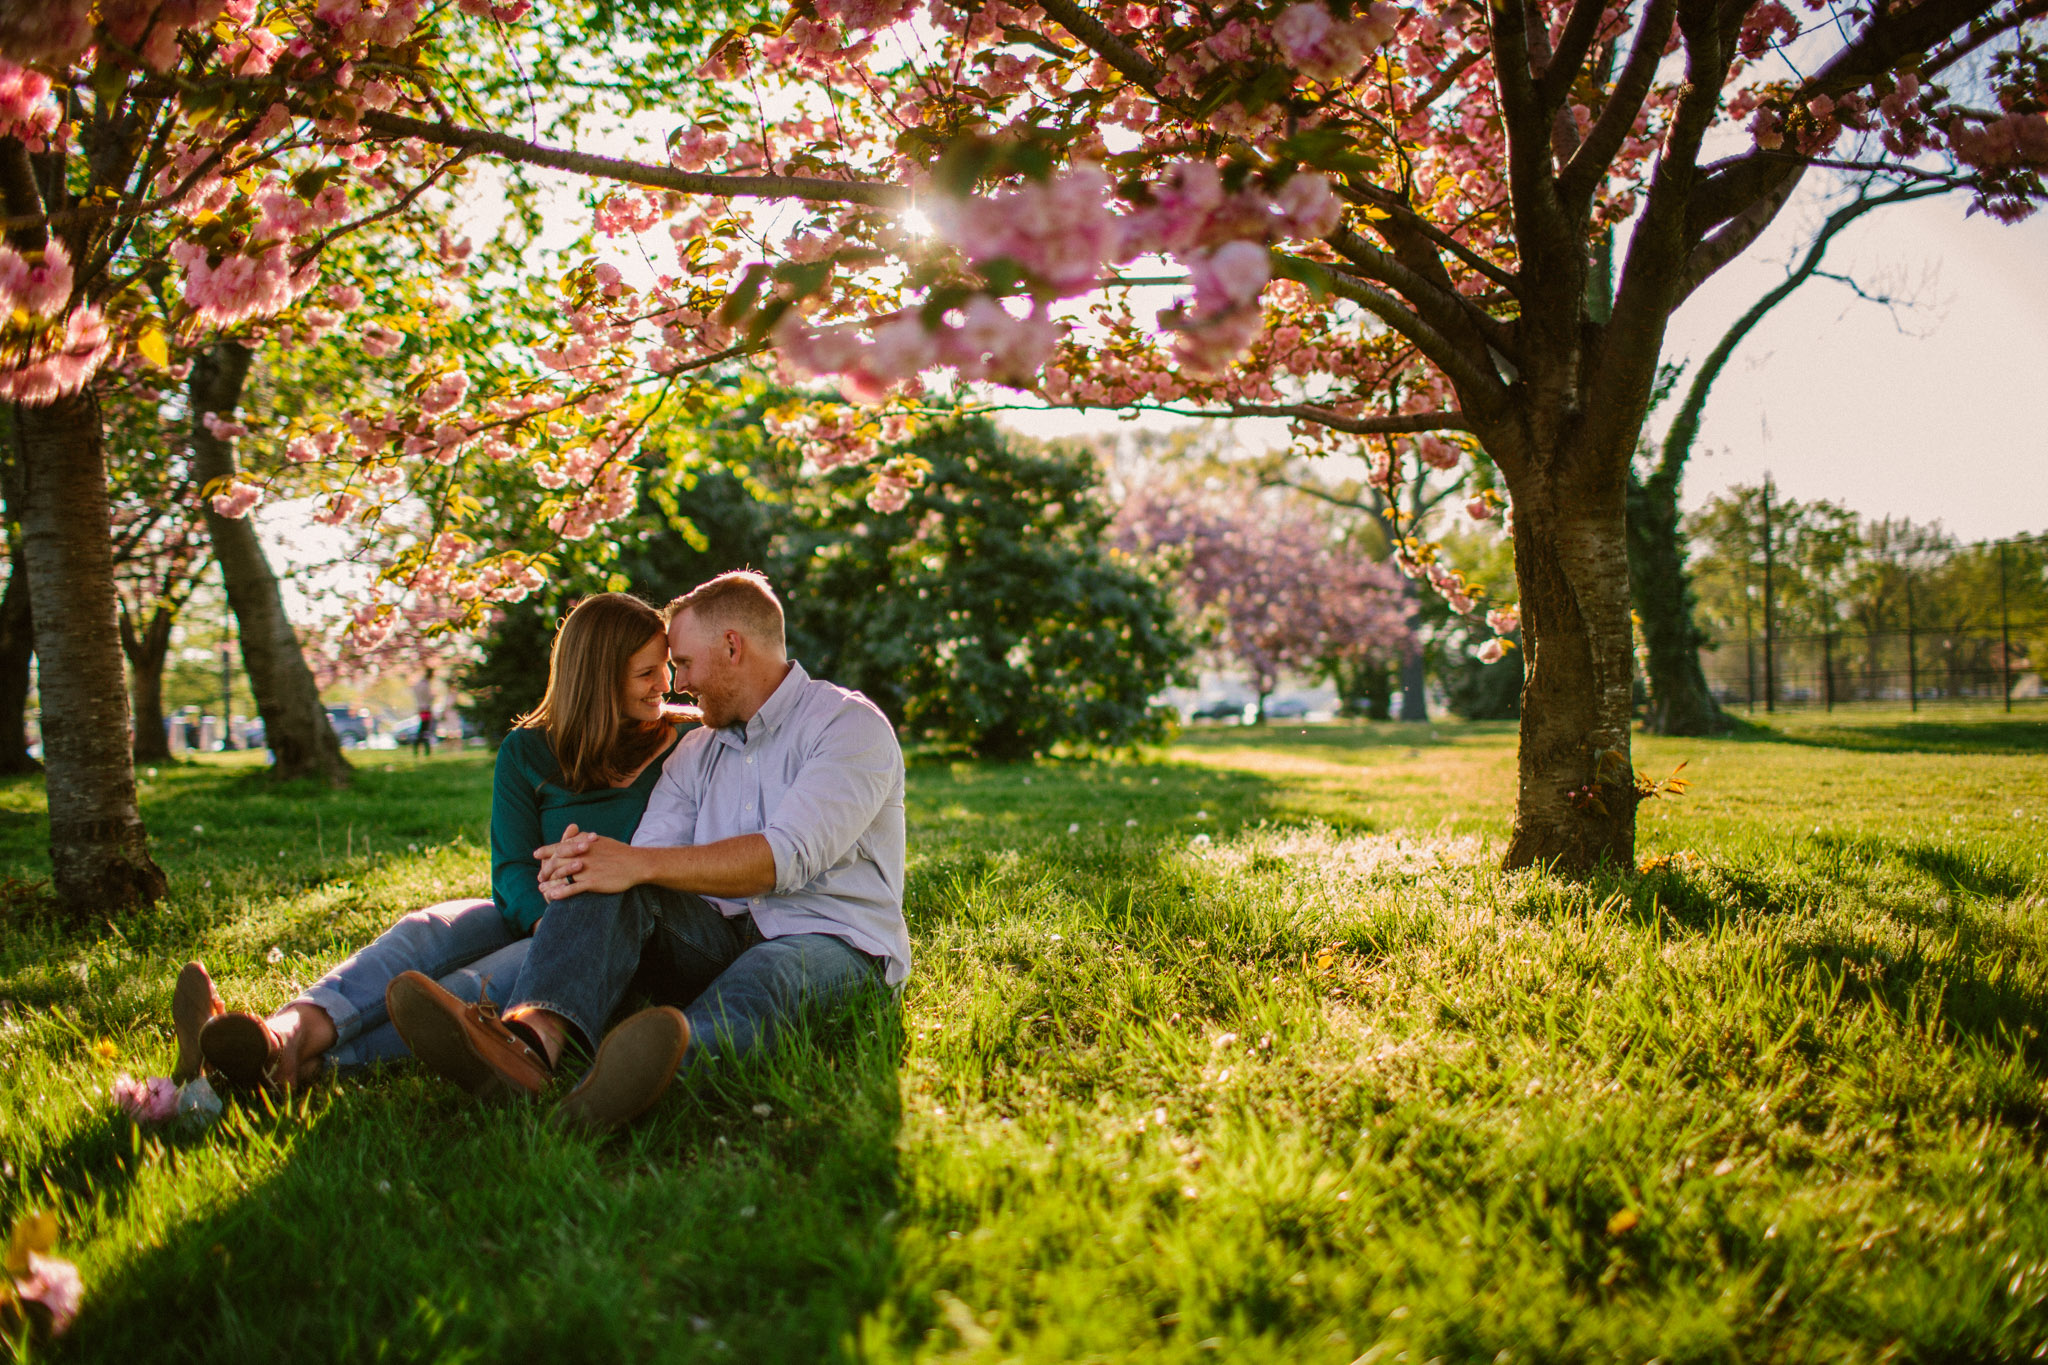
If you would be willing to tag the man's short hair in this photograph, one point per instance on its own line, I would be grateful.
(741, 600)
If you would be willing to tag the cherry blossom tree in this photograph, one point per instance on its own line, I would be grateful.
(1349, 201)
(1284, 592)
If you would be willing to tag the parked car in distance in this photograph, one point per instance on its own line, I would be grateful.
(448, 729)
(1286, 708)
(1224, 710)
(351, 725)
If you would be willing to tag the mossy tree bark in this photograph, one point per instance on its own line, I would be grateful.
(147, 649)
(287, 695)
(99, 851)
(17, 622)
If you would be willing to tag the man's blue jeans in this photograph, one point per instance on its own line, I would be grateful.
(465, 945)
(737, 989)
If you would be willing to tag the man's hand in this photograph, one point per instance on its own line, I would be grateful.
(588, 862)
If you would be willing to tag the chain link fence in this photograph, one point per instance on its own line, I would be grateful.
(1913, 652)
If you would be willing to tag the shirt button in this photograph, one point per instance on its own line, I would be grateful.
(750, 760)
(750, 805)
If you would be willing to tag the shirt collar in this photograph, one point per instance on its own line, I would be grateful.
(781, 702)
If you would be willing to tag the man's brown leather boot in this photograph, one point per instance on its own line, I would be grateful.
(634, 1065)
(464, 1044)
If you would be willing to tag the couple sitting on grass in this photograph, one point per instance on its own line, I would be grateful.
(741, 874)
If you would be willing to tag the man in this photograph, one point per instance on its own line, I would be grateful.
(766, 878)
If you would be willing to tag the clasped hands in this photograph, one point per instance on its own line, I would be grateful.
(582, 862)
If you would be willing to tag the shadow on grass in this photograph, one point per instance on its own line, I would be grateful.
(1696, 898)
(963, 815)
(1976, 871)
(387, 1217)
(1952, 980)
(1345, 735)
(2018, 735)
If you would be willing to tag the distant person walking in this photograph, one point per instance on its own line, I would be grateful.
(423, 697)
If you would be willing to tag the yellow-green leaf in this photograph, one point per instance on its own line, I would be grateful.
(35, 1232)
(153, 348)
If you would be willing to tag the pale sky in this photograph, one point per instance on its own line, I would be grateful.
(1943, 422)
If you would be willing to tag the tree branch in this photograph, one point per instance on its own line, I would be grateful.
(20, 197)
(1440, 306)
(1736, 235)
(1938, 62)
(1540, 216)
(1448, 77)
(1392, 204)
(808, 188)
(1092, 34)
(1684, 429)
(1476, 385)
(1596, 153)
(1395, 424)
(1580, 29)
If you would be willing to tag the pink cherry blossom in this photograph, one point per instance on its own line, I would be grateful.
(40, 289)
(1308, 207)
(1061, 230)
(237, 500)
(380, 341)
(237, 288)
(444, 394)
(1329, 50)
(1229, 277)
(891, 493)
(27, 109)
(55, 1284)
(220, 428)
(1438, 453)
(1479, 509)
(1492, 652)
(1504, 620)
(152, 1101)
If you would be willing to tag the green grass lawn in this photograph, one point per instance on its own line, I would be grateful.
(1242, 1051)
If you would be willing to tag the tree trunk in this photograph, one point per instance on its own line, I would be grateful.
(99, 851)
(17, 636)
(1414, 685)
(17, 650)
(146, 653)
(1680, 703)
(287, 696)
(1378, 691)
(1576, 803)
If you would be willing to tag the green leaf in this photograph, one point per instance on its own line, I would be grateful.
(1302, 272)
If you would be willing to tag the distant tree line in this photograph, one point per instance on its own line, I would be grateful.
(990, 613)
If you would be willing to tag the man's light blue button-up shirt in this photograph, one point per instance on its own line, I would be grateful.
(818, 772)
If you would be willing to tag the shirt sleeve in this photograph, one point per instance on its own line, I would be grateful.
(843, 785)
(515, 832)
(670, 820)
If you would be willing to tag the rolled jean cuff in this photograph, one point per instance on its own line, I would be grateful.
(347, 1019)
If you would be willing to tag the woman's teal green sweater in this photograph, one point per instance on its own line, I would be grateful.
(530, 807)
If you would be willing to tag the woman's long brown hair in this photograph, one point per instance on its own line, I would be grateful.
(583, 713)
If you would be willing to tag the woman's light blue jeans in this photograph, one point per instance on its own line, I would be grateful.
(465, 945)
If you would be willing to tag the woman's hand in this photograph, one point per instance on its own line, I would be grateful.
(587, 862)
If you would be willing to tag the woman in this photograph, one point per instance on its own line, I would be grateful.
(586, 758)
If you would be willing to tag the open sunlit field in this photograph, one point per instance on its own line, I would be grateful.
(1241, 1050)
